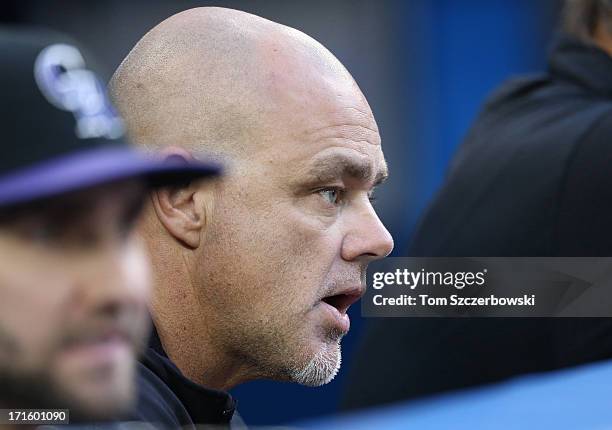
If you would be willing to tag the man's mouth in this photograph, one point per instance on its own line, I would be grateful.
(339, 303)
(344, 300)
(100, 348)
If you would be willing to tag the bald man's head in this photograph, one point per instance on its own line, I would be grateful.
(217, 80)
(254, 279)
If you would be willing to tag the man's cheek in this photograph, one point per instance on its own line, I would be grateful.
(23, 354)
(312, 251)
(307, 235)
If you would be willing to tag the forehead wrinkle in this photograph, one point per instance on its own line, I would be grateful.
(337, 166)
(349, 122)
(349, 131)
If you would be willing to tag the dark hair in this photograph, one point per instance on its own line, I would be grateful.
(580, 17)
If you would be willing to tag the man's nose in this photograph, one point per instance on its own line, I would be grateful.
(366, 238)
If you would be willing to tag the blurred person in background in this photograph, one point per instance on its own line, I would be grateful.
(532, 178)
(74, 280)
(253, 275)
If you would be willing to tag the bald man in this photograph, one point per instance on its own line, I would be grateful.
(253, 275)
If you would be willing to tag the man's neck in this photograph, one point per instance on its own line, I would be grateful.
(187, 330)
(200, 361)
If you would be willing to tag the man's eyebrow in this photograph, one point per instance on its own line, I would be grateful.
(333, 167)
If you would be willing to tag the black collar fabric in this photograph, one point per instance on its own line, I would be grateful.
(204, 405)
(582, 64)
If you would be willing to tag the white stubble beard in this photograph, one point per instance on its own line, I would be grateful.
(321, 368)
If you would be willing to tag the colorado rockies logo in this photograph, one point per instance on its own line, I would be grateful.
(65, 82)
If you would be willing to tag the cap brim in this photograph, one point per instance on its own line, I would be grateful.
(94, 167)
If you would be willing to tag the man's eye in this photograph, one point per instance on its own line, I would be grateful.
(42, 232)
(128, 222)
(331, 195)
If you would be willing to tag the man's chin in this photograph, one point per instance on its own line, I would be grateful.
(87, 404)
(322, 366)
(92, 398)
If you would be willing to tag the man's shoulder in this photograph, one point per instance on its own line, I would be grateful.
(157, 403)
(167, 398)
(517, 88)
(533, 114)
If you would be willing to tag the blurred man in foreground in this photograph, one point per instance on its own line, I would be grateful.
(253, 275)
(74, 281)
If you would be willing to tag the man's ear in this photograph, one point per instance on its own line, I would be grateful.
(179, 209)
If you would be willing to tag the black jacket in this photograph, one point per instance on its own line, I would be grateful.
(532, 178)
(170, 400)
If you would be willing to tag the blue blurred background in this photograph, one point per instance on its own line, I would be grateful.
(424, 65)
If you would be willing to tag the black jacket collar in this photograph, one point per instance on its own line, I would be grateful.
(582, 64)
(204, 405)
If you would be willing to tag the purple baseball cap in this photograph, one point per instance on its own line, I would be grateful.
(59, 132)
